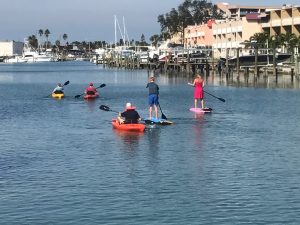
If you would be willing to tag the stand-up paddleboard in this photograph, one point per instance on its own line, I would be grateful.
(158, 121)
(201, 111)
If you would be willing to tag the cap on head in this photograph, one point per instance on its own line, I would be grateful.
(129, 106)
(91, 84)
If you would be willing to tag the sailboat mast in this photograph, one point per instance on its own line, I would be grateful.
(115, 30)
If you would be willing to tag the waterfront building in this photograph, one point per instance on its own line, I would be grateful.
(237, 11)
(199, 35)
(231, 33)
(282, 21)
(11, 48)
(239, 23)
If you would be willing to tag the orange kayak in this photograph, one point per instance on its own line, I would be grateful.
(138, 127)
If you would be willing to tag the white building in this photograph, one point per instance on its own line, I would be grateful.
(10, 48)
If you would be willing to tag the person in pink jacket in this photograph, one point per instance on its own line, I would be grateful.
(90, 90)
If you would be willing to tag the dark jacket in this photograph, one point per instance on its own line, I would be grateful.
(131, 116)
(153, 88)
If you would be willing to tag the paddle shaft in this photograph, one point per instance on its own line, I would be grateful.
(66, 83)
(101, 86)
(163, 116)
(221, 99)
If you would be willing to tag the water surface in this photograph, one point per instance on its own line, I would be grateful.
(62, 163)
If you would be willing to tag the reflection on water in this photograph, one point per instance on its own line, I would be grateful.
(129, 140)
(92, 104)
(241, 160)
(262, 81)
(6, 78)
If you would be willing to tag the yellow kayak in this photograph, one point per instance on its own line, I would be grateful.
(58, 96)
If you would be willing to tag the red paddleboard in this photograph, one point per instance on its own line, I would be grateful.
(199, 110)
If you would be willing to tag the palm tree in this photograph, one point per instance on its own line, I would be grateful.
(154, 39)
(46, 33)
(260, 38)
(65, 37)
(41, 32)
(33, 42)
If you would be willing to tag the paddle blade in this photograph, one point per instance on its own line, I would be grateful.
(104, 107)
(77, 96)
(163, 116)
(102, 85)
(222, 99)
(148, 122)
(66, 83)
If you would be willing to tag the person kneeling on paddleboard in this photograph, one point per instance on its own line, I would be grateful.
(58, 89)
(90, 90)
(129, 115)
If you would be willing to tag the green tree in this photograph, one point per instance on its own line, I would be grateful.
(143, 40)
(47, 33)
(65, 37)
(190, 12)
(155, 39)
(57, 43)
(41, 32)
(33, 42)
(260, 38)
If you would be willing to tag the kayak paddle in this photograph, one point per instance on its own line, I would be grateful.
(101, 86)
(66, 83)
(221, 99)
(106, 108)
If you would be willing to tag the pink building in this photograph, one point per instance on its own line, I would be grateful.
(199, 35)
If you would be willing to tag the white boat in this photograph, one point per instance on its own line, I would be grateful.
(15, 59)
(33, 56)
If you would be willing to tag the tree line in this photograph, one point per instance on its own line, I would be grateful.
(190, 12)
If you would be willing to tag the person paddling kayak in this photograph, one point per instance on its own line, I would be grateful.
(129, 116)
(58, 89)
(90, 90)
(153, 97)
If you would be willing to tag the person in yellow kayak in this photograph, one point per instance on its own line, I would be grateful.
(129, 115)
(58, 89)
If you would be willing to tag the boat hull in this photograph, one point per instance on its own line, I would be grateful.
(90, 97)
(128, 127)
(58, 96)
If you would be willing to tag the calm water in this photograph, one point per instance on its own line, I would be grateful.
(62, 163)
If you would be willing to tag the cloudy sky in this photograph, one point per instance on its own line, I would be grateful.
(89, 20)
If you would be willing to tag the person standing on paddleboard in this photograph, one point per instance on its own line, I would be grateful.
(153, 97)
(198, 91)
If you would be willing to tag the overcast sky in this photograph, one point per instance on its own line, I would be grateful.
(89, 20)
